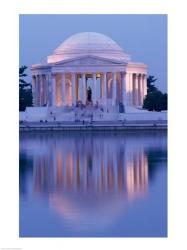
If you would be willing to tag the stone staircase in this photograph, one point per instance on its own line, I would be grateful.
(80, 114)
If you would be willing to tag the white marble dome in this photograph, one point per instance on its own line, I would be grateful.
(88, 43)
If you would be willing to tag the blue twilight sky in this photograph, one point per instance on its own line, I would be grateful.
(144, 37)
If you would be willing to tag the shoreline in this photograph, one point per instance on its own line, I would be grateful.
(30, 127)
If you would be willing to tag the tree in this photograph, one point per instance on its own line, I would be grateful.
(151, 87)
(21, 75)
(25, 90)
(155, 100)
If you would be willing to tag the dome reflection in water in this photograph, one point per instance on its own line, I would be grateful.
(93, 185)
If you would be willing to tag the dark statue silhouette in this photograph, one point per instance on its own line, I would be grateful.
(89, 94)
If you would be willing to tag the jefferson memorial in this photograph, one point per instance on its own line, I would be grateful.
(89, 69)
(89, 77)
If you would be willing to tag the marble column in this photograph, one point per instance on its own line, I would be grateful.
(98, 93)
(63, 89)
(73, 89)
(38, 89)
(124, 91)
(41, 91)
(104, 89)
(53, 86)
(141, 90)
(145, 85)
(84, 90)
(34, 90)
(101, 86)
(80, 88)
(49, 90)
(94, 96)
(127, 87)
(44, 90)
(136, 90)
(114, 82)
(130, 89)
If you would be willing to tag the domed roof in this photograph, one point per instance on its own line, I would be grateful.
(89, 43)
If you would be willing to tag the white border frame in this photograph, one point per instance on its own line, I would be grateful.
(176, 11)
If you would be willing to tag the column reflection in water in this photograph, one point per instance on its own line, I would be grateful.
(87, 178)
(137, 174)
(99, 175)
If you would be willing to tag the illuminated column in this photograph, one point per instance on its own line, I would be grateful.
(63, 89)
(130, 89)
(53, 87)
(49, 90)
(83, 88)
(132, 94)
(124, 94)
(80, 88)
(73, 89)
(41, 90)
(104, 89)
(141, 90)
(38, 89)
(34, 89)
(94, 88)
(139, 93)
(136, 90)
(114, 88)
(101, 86)
(144, 85)
(46, 89)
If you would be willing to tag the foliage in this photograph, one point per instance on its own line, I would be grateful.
(25, 98)
(155, 100)
(25, 90)
(22, 74)
(151, 87)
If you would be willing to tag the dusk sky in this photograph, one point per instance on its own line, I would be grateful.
(144, 37)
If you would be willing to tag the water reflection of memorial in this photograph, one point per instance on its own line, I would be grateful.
(89, 177)
(91, 170)
(96, 179)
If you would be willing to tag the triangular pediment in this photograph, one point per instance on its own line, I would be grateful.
(88, 60)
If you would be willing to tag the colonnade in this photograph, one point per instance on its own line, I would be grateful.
(66, 89)
(136, 88)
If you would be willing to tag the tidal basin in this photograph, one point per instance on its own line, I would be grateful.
(93, 184)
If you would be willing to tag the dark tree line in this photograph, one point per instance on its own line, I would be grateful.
(25, 90)
(155, 100)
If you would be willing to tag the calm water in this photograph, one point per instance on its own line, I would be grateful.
(93, 185)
